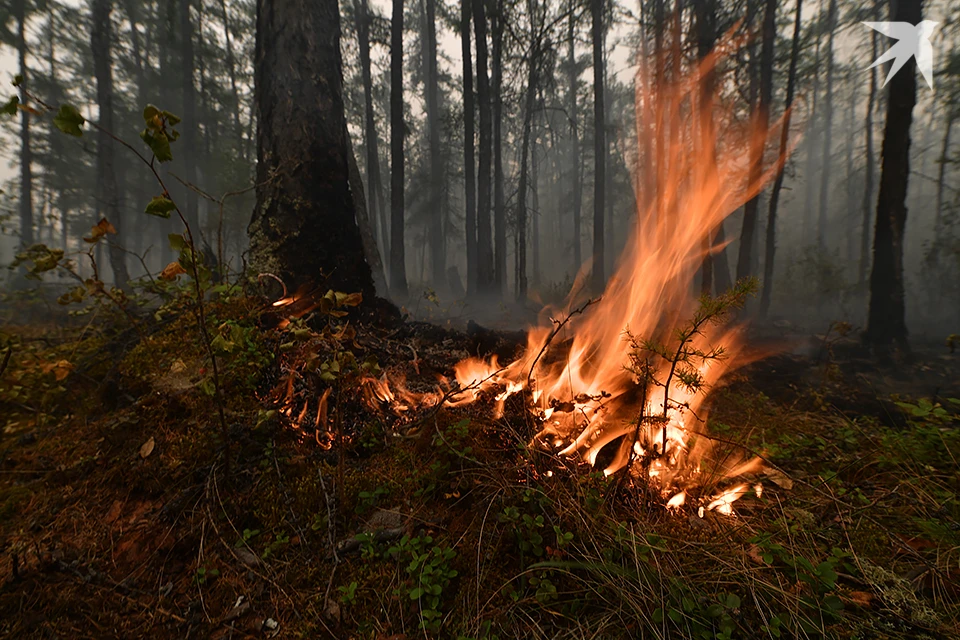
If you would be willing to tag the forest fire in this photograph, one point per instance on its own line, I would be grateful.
(625, 370)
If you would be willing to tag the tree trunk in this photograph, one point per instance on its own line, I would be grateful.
(868, 170)
(599, 147)
(499, 205)
(771, 241)
(706, 15)
(485, 275)
(232, 73)
(942, 170)
(107, 188)
(886, 323)
(574, 138)
(469, 177)
(811, 141)
(304, 227)
(761, 125)
(188, 127)
(535, 204)
(850, 213)
(524, 152)
(398, 268)
(438, 251)
(367, 235)
(825, 173)
(26, 151)
(370, 136)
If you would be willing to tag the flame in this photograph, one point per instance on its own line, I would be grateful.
(585, 396)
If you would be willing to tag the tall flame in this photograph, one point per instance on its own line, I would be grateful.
(575, 365)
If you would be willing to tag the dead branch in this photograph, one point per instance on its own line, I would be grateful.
(556, 329)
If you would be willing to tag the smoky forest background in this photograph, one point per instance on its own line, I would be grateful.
(480, 319)
(498, 144)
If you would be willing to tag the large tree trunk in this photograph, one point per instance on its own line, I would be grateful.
(485, 275)
(761, 122)
(438, 251)
(469, 177)
(26, 151)
(367, 235)
(398, 268)
(771, 241)
(868, 171)
(499, 204)
(850, 213)
(304, 227)
(574, 138)
(706, 16)
(535, 204)
(886, 322)
(825, 163)
(107, 188)
(599, 147)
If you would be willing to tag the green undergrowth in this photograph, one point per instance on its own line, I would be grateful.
(115, 467)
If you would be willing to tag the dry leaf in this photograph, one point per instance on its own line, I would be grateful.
(178, 367)
(779, 478)
(101, 229)
(147, 447)
(171, 271)
(861, 598)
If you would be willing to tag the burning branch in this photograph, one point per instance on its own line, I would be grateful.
(558, 326)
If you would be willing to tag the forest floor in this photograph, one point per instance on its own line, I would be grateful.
(128, 510)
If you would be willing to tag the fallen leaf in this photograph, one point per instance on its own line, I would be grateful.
(147, 447)
(861, 598)
(114, 512)
(171, 271)
(779, 478)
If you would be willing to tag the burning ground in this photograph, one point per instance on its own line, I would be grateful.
(127, 511)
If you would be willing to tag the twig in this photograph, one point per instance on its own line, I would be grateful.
(559, 326)
(6, 359)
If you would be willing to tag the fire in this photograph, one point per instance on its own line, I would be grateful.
(575, 370)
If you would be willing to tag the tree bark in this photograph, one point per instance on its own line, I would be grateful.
(524, 152)
(573, 117)
(438, 251)
(886, 322)
(107, 188)
(811, 141)
(232, 73)
(188, 127)
(26, 151)
(485, 275)
(942, 170)
(398, 268)
(868, 170)
(499, 204)
(370, 137)
(706, 15)
(469, 175)
(825, 173)
(599, 147)
(761, 122)
(304, 227)
(771, 240)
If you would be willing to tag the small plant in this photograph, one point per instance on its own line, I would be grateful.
(367, 500)
(348, 593)
(279, 542)
(203, 574)
(248, 535)
(428, 574)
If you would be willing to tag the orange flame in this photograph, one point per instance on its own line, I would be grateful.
(587, 399)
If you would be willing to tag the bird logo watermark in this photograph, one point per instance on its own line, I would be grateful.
(913, 41)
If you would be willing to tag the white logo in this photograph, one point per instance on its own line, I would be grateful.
(913, 41)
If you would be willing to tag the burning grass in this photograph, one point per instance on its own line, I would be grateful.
(458, 528)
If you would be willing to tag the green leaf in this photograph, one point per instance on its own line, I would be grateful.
(172, 119)
(17, 80)
(69, 120)
(177, 241)
(10, 107)
(149, 113)
(159, 144)
(160, 206)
